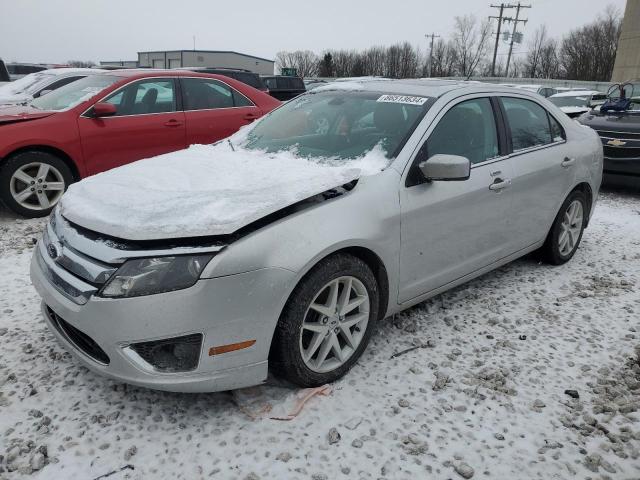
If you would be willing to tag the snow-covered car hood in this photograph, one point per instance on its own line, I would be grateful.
(204, 190)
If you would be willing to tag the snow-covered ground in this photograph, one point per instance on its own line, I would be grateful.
(483, 395)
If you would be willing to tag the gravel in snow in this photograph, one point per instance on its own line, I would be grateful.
(530, 371)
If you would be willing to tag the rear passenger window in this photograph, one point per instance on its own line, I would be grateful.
(468, 130)
(528, 122)
(206, 94)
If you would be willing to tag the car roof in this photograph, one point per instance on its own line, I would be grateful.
(69, 71)
(153, 72)
(577, 93)
(419, 86)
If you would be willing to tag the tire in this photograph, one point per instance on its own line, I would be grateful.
(50, 176)
(554, 250)
(292, 340)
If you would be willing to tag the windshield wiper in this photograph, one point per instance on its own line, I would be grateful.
(231, 144)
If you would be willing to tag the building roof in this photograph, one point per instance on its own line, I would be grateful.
(209, 51)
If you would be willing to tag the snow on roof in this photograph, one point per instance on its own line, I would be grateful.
(576, 93)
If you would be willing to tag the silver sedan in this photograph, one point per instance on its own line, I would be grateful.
(475, 176)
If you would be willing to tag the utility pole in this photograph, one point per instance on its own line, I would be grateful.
(502, 6)
(432, 36)
(513, 34)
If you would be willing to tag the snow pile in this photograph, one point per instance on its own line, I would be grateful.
(204, 190)
(484, 392)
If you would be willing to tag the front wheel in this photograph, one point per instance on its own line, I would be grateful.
(32, 183)
(566, 232)
(327, 322)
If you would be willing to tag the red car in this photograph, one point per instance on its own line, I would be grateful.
(107, 120)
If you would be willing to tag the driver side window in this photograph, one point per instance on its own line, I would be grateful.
(468, 130)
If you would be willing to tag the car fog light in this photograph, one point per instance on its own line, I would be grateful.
(178, 354)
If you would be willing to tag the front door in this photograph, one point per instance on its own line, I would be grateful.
(147, 123)
(213, 110)
(451, 229)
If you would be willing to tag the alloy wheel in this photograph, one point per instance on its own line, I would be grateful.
(570, 228)
(37, 186)
(334, 324)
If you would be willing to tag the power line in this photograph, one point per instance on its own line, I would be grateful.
(500, 19)
(433, 36)
(513, 34)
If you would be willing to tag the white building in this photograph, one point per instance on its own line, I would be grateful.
(205, 58)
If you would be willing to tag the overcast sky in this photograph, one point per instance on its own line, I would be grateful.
(61, 30)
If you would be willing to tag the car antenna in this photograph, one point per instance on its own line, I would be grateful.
(231, 144)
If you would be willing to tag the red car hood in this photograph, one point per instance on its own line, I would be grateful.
(21, 114)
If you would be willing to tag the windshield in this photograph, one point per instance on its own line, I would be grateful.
(339, 124)
(577, 101)
(74, 93)
(26, 84)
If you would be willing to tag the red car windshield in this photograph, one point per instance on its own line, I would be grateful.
(74, 93)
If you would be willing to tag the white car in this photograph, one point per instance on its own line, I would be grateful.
(576, 102)
(37, 84)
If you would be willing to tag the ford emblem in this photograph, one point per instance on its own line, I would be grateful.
(53, 251)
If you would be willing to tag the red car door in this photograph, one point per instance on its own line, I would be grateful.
(147, 122)
(213, 110)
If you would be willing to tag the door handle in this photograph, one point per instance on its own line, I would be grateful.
(251, 116)
(499, 184)
(567, 162)
(172, 123)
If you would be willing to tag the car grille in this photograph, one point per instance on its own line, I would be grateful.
(80, 340)
(611, 134)
(622, 153)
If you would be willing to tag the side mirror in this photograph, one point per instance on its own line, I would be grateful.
(104, 109)
(446, 168)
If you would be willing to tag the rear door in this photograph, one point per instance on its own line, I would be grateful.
(451, 229)
(148, 122)
(213, 110)
(543, 168)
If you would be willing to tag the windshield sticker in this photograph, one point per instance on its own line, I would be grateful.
(406, 99)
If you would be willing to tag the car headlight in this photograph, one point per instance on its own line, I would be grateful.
(146, 276)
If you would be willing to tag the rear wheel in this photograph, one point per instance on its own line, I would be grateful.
(565, 234)
(327, 322)
(32, 183)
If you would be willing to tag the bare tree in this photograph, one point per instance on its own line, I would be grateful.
(304, 61)
(81, 63)
(443, 59)
(589, 52)
(469, 43)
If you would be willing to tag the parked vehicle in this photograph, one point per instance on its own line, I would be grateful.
(4, 73)
(283, 247)
(620, 134)
(312, 84)
(244, 76)
(284, 88)
(539, 89)
(576, 102)
(110, 119)
(19, 70)
(37, 84)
